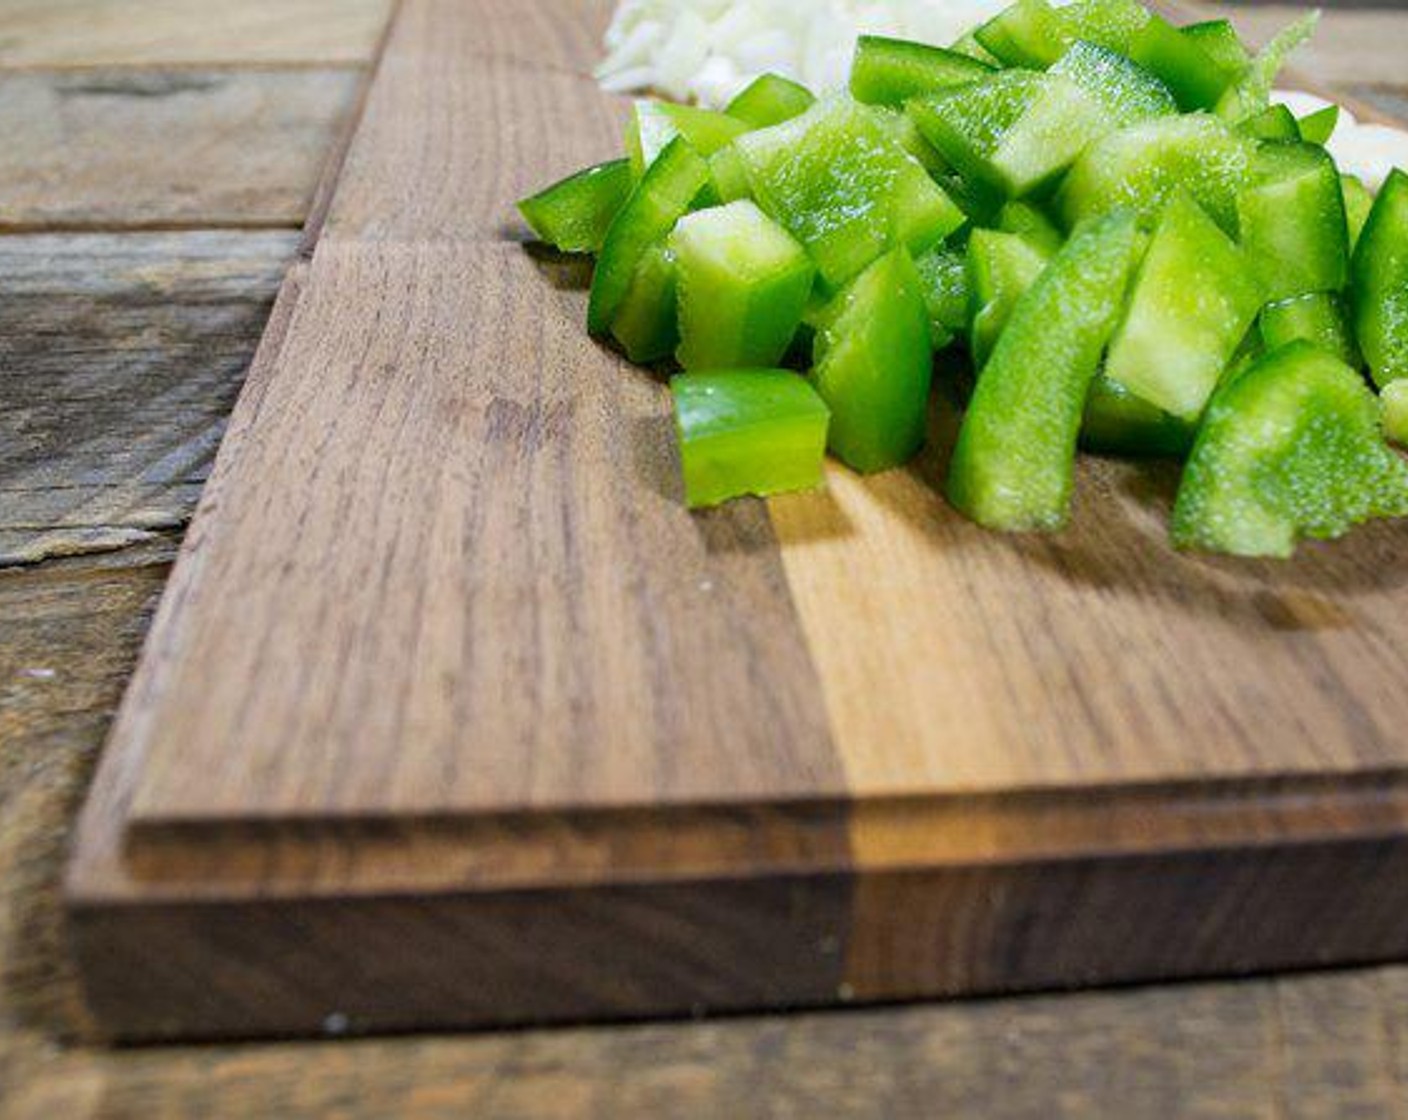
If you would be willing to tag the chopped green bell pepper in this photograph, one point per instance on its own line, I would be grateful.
(1001, 267)
(647, 322)
(1393, 402)
(663, 196)
(1292, 447)
(1116, 422)
(1250, 94)
(1030, 33)
(1107, 23)
(1292, 220)
(1358, 201)
(729, 175)
(891, 71)
(1180, 63)
(1013, 467)
(967, 45)
(943, 279)
(1379, 288)
(1316, 317)
(1031, 223)
(1319, 126)
(770, 99)
(1219, 39)
(1140, 166)
(1275, 122)
(747, 431)
(653, 124)
(573, 215)
(743, 284)
(836, 179)
(1193, 301)
(873, 365)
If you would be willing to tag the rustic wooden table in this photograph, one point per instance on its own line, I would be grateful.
(158, 162)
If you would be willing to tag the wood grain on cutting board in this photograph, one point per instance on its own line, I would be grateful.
(452, 714)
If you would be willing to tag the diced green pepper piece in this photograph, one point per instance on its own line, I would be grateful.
(1219, 39)
(1017, 130)
(654, 124)
(660, 199)
(1292, 220)
(1181, 63)
(967, 45)
(943, 279)
(647, 323)
(1108, 23)
(1275, 122)
(770, 99)
(1192, 303)
(1379, 287)
(1001, 267)
(1116, 422)
(1030, 33)
(874, 365)
(1319, 126)
(1250, 94)
(1393, 401)
(836, 179)
(574, 214)
(1140, 166)
(1290, 448)
(1358, 201)
(729, 175)
(891, 71)
(743, 283)
(1317, 317)
(907, 135)
(1013, 467)
(1031, 223)
(747, 431)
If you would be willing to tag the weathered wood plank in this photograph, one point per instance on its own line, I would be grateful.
(191, 147)
(120, 357)
(190, 32)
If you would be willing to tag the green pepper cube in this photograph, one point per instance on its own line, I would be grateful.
(1014, 465)
(1358, 201)
(836, 179)
(1393, 402)
(1193, 301)
(747, 431)
(1319, 126)
(573, 215)
(1107, 23)
(1317, 317)
(1379, 290)
(1275, 122)
(1291, 448)
(653, 124)
(743, 283)
(770, 99)
(647, 323)
(1141, 166)
(1030, 33)
(728, 175)
(873, 365)
(1293, 223)
(1031, 223)
(943, 280)
(1117, 422)
(891, 71)
(1001, 267)
(967, 124)
(663, 196)
(1181, 63)
(1219, 40)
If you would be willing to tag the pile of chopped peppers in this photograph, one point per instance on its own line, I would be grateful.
(1099, 219)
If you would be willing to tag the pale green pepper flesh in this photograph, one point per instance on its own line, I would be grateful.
(1292, 221)
(742, 432)
(1379, 286)
(574, 214)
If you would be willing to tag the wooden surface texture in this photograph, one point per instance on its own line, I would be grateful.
(1327, 1046)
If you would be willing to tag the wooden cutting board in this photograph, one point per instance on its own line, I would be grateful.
(452, 714)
